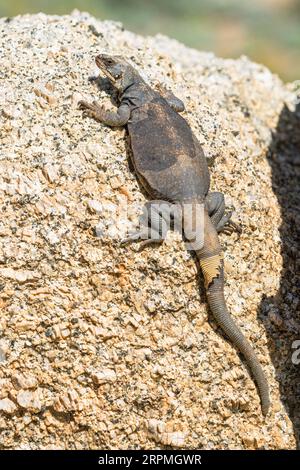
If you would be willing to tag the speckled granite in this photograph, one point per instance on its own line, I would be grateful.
(103, 346)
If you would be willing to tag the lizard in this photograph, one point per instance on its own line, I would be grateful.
(171, 166)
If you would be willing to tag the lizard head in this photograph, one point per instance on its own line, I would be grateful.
(117, 70)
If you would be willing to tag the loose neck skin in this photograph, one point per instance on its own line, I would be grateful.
(136, 94)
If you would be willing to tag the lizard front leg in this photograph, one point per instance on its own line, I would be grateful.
(171, 99)
(111, 118)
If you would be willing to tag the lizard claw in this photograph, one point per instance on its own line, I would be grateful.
(83, 104)
(149, 241)
(227, 226)
(134, 237)
(140, 237)
(234, 227)
(93, 110)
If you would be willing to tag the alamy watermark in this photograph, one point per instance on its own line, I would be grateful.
(155, 220)
(296, 353)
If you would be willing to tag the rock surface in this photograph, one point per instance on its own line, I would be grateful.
(104, 346)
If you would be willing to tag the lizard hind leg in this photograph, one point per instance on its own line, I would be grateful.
(215, 205)
(154, 224)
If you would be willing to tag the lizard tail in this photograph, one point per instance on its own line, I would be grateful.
(211, 261)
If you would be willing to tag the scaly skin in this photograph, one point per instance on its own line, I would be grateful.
(171, 166)
(216, 301)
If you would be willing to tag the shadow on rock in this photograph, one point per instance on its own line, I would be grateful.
(281, 313)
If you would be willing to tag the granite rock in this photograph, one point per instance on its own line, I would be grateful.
(117, 340)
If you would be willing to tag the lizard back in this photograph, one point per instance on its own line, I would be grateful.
(166, 155)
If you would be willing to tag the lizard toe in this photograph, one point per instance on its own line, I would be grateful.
(83, 105)
(134, 237)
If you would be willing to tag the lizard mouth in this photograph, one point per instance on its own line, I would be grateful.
(101, 62)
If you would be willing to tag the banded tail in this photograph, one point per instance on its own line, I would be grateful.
(211, 261)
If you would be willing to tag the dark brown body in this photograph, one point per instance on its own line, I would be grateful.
(166, 154)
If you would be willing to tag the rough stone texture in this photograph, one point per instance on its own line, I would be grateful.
(104, 346)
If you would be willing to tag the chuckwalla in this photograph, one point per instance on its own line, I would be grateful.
(171, 166)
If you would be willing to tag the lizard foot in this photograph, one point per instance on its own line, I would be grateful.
(141, 237)
(227, 226)
(231, 227)
(93, 110)
(154, 223)
(133, 237)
